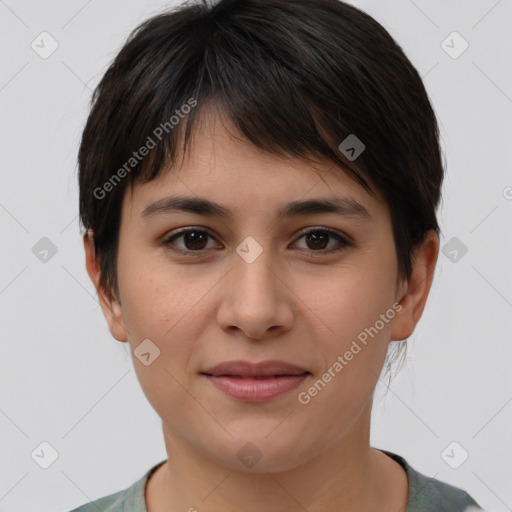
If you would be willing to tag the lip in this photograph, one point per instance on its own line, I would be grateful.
(246, 369)
(255, 382)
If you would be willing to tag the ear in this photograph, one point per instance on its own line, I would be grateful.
(110, 305)
(412, 294)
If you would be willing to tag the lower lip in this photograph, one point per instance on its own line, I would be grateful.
(256, 390)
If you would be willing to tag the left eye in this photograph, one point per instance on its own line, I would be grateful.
(195, 240)
(319, 237)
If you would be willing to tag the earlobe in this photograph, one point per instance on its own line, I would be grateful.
(413, 294)
(109, 304)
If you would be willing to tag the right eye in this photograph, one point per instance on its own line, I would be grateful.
(194, 240)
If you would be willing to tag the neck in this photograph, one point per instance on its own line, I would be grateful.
(351, 475)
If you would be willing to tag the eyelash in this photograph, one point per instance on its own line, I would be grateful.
(322, 252)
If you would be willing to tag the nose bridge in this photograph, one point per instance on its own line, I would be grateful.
(253, 272)
(255, 301)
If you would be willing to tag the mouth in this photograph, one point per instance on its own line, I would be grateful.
(249, 382)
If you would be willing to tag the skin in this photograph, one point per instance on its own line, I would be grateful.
(204, 309)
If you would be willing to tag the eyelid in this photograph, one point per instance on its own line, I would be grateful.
(334, 232)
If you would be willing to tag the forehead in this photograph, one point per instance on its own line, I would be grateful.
(223, 166)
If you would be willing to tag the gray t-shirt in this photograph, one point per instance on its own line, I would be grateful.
(425, 494)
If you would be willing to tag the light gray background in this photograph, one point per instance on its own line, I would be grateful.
(65, 381)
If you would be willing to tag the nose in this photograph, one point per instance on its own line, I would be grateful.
(256, 298)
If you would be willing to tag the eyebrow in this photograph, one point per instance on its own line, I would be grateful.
(345, 206)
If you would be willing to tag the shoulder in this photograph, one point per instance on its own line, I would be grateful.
(110, 503)
(130, 499)
(428, 494)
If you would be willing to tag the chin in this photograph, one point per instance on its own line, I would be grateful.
(254, 452)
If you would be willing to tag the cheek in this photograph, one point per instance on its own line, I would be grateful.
(164, 303)
(346, 304)
(164, 309)
(352, 342)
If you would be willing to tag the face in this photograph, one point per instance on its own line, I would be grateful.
(314, 289)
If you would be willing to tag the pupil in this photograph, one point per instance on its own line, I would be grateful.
(192, 239)
(314, 238)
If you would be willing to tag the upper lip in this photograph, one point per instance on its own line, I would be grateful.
(247, 369)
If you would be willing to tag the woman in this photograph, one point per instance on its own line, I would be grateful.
(259, 183)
